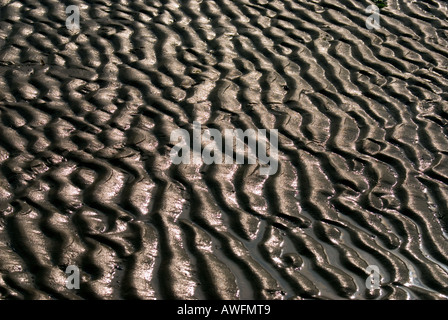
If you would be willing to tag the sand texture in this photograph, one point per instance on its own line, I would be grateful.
(86, 177)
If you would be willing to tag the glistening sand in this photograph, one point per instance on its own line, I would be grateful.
(86, 178)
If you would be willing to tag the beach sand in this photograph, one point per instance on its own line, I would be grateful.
(86, 178)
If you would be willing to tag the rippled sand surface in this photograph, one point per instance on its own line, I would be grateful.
(86, 177)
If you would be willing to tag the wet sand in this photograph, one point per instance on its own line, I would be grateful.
(85, 172)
